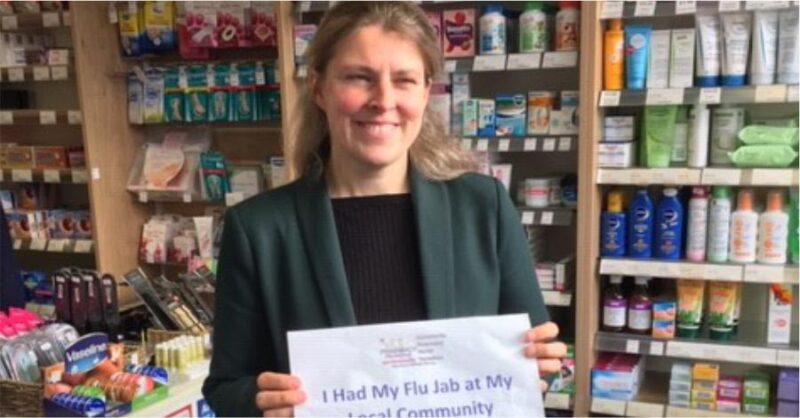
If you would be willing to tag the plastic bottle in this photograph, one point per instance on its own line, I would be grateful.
(640, 315)
(668, 243)
(680, 138)
(773, 231)
(719, 224)
(794, 228)
(613, 228)
(697, 225)
(567, 26)
(614, 56)
(640, 226)
(614, 306)
(744, 229)
(493, 30)
(699, 121)
(533, 28)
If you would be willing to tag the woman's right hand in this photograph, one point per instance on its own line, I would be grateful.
(278, 394)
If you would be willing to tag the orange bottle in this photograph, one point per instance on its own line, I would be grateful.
(614, 56)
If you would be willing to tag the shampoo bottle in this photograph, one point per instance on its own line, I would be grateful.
(640, 226)
(697, 225)
(744, 229)
(613, 228)
(669, 226)
(773, 229)
(719, 223)
(794, 228)
(614, 56)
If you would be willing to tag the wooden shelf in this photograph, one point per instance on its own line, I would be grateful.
(36, 73)
(778, 93)
(539, 143)
(39, 175)
(749, 273)
(35, 21)
(35, 117)
(761, 177)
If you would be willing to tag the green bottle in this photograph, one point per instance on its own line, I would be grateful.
(794, 228)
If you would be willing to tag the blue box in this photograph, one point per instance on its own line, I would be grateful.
(510, 115)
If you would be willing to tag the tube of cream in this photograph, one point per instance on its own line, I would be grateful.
(788, 58)
(659, 134)
(735, 47)
(204, 226)
(681, 62)
(691, 294)
(637, 48)
(765, 47)
(708, 48)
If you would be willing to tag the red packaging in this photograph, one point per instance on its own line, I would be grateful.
(231, 30)
(49, 157)
(458, 33)
(729, 388)
(76, 157)
(200, 22)
(263, 27)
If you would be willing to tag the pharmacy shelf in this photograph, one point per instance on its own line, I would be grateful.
(778, 93)
(558, 401)
(35, 21)
(556, 298)
(30, 117)
(38, 175)
(750, 348)
(645, 9)
(74, 246)
(749, 273)
(552, 216)
(699, 176)
(544, 143)
(231, 199)
(36, 73)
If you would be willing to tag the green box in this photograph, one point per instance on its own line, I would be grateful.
(160, 393)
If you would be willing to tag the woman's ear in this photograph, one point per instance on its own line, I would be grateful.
(315, 88)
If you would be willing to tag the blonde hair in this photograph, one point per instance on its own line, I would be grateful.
(434, 154)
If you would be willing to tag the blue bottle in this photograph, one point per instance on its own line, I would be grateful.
(669, 221)
(613, 228)
(640, 226)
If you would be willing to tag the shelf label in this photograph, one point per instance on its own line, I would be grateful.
(610, 98)
(450, 66)
(656, 348)
(95, 173)
(632, 346)
(721, 177)
(729, 6)
(608, 406)
(466, 144)
(80, 176)
(41, 73)
(16, 74)
(8, 22)
(83, 246)
(233, 198)
(527, 218)
(664, 96)
(549, 145)
(112, 13)
(187, 198)
(612, 9)
(51, 19)
(765, 5)
(17, 244)
(771, 177)
(261, 79)
(6, 118)
(524, 61)
(38, 244)
(47, 117)
(561, 59)
(645, 8)
(58, 72)
(143, 197)
(564, 143)
(770, 94)
(483, 144)
(792, 93)
(22, 176)
(74, 117)
(788, 358)
(691, 270)
(710, 95)
(504, 145)
(489, 63)
(547, 218)
(723, 272)
(685, 7)
(52, 176)
(556, 401)
(644, 409)
(763, 274)
(56, 246)
(529, 145)
(183, 78)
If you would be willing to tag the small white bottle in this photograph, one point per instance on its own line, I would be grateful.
(744, 230)
(699, 119)
(698, 225)
(493, 30)
(773, 231)
(719, 224)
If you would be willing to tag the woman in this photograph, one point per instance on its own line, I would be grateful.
(386, 224)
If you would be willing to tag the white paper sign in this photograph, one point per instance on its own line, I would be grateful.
(562, 59)
(74, 117)
(16, 74)
(547, 218)
(685, 7)
(504, 145)
(41, 73)
(489, 63)
(450, 66)
(710, 95)
(664, 96)
(729, 6)
(549, 144)
(483, 145)
(22, 176)
(530, 144)
(51, 19)
(59, 72)
(47, 117)
(612, 9)
(527, 218)
(6, 118)
(632, 346)
(645, 8)
(564, 143)
(610, 98)
(83, 246)
(38, 244)
(425, 368)
(52, 176)
(523, 61)
(80, 176)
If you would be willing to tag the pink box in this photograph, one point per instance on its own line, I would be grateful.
(459, 33)
(729, 389)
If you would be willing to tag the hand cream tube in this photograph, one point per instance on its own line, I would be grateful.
(204, 226)
(708, 48)
(658, 61)
(721, 309)
(659, 134)
(681, 62)
(788, 58)
(690, 307)
(637, 49)
(735, 47)
(765, 47)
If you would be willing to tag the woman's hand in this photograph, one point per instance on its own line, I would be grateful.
(547, 354)
(278, 394)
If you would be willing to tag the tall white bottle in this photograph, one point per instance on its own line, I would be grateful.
(744, 229)
(719, 224)
(773, 231)
(699, 121)
(697, 225)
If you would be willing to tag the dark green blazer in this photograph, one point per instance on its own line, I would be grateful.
(281, 269)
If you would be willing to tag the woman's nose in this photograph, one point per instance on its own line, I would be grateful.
(383, 97)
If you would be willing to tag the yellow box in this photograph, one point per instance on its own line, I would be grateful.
(704, 385)
(704, 405)
(706, 371)
(704, 395)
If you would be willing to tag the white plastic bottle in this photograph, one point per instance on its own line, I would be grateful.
(699, 120)
(568, 26)
(698, 225)
(533, 28)
(493, 30)
(719, 224)
(773, 231)
(744, 230)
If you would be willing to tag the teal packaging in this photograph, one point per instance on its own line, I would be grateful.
(669, 222)
(215, 175)
(274, 104)
(640, 225)
(510, 116)
(197, 94)
(218, 101)
(173, 96)
(244, 94)
(637, 52)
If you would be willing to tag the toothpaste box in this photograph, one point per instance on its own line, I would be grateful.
(780, 314)
(730, 388)
(703, 405)
(510, 118)
(458, 33)
(788, 409)
(705, 372)
(704, 395)
(486, 111)
(681, 372)
(730, 407)
(469, 115)
(756, 392)
(788, 383)
(680, 398)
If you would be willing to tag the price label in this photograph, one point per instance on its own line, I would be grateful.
(450, 66)
(143, 197)
(22, 176)
(612, 9)
(608, 406)
(261, 79)
(489, 63)
(112, 13)
(685, 7)
(17, 244)
(664, 96)
(656, 348)
(47, 117)
(183, 78)
(38, 244)
(210, 80)
(554, 400)
(645, 8)
(6, 118)
(721, 177)
(523, 61)
(792, 93)
(235, 77)
(187, 198)
(610, 98)
(52, 176)
(56, 246)
(632, 346)
(763, 274)
(483, 145)
(564, 143)
(305, 6)
(233, 198)
(74, 117)
(58, 72)
(8, 22)
(504, 145)
(527, 218)
(547, 218)
(51, 19)
(549, 145)
(729, 6)
(83, 246)
(788, 358)
(710, 95)
(41, 73)
(644, 409)
(466, 144)
(770, 94)
(80, 176)
(16, 74)
(529, 145)
(95, 174)
(565, 59)
(766, 5)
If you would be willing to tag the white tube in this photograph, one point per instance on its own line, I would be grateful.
(765, 47)
(681, 62)
(708, 48)
(788, 58)
(699, 118)
(735, 47)
(205, 236)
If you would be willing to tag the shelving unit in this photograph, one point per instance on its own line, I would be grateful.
(543, 143)
(777, 93)
(699, 176)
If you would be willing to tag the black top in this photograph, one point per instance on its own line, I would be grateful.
(378, 240)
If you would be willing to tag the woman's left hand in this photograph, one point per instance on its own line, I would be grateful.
(548, 354)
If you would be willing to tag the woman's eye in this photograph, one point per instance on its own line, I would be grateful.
(407, 81)
(357, 77)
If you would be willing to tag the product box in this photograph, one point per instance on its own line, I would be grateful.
(565, 120)
(681, 68)
(658, 59)
(502, 172)
(780, 314)
(303, 34)
(263, 25)
(459, 33)
(704, 395)
(564, 381)
(540, 108)
(440, 104)
(17, 157)
(461, 92)
(756, 408)
(788, 409)
(618, 129)
(681, 372)
(616, 154)
(277, 172)
(756, 390)
(705, 372)
(680, 398)
(469, 115)
(7, 200)
(788, 384)
(510, 118)
(730, 389)
(61, 224)
(617, 376)
(703, 405)
(664, 320)
(486, 113)
(729, 407)
(49, 157)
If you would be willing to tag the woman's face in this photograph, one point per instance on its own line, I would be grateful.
(374, 94)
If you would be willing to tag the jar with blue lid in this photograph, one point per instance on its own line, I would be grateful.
(493, 30)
